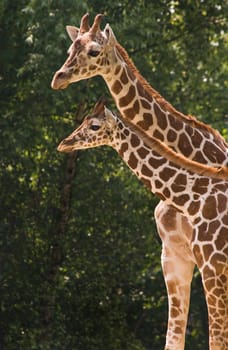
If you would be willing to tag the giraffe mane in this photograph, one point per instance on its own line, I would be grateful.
(164, 103)
(177, 158)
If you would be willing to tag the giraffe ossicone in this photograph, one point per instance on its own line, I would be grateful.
(96, 52)
(183, 214)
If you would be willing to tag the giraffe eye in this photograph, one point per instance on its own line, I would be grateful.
(93, 53)
(95, 127)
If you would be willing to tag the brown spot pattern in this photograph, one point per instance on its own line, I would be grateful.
(116, 87)
(221, 240)
(146, 171)
(126, 132)
(199, 157)
(166, 174)
(184, 145)
(225, 220)
(222, 202)
(136, 106)
(145, 104)
(200, 185)
(181, 179)
(196, 137)
(213, 153)
(177, 187)
(124, 148)
(158, 135)
(221, 186)
(146, 122)
(166, 192)
(213, 226)
(174, 312)
(157, 162)
(142, 124)
(135, 142)
(124, 77)
(158, 184)
(209, 209)
(171, 135)
(207, 250)
(181, 200)
(203, 233)
(142, 152)
(125, 100)
(92, 67)
(161, 117)
(194, 207)
(117, 70)
(133, 161)
(218, 261)
(175, 123)
(131, 112)
(172, 288)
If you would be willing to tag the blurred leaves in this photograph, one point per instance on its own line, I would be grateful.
(99, 285)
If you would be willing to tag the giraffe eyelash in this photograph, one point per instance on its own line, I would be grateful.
(95, 127)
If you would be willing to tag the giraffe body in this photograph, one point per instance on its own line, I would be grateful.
(183, 217)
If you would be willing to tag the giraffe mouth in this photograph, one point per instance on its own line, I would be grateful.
(65, 146)
(59, 85)
(63, 86)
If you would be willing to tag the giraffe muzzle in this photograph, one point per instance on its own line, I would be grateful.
(66, 146)
(59, 80)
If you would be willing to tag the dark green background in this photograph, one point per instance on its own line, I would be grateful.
(79, 252)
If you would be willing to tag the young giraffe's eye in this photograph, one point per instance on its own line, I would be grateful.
(93, 53)
(95, 127)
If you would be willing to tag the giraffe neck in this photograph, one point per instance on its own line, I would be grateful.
(185, 191)
(146, 109)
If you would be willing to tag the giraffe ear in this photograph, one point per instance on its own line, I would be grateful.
(99, 106)
(111, 39)
(110, 117)
(72, 32)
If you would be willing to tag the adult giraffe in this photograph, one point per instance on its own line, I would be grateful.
(95, 52)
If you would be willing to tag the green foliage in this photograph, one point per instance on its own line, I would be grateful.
(81, 269)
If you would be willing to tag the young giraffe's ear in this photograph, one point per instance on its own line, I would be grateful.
(72, 32)
(111, 39)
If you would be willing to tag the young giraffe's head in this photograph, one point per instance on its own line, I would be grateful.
(89, 53)
(97, 129)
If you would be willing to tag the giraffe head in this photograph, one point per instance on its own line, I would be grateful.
(97, 129)
(89, 53)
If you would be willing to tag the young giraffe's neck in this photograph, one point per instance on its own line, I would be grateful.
(146, 109)
(185, 191)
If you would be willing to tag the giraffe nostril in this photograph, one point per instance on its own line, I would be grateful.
(60, 80)
(60, 75)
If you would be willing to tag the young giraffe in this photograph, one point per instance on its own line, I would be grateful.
(95, 52)
(186, 204)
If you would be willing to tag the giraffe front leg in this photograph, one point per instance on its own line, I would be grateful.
(177, 264)
(178, 274)
(214, 271)
(216, 293)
